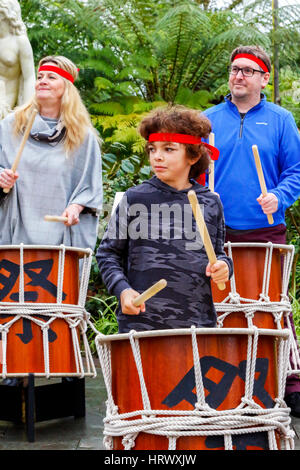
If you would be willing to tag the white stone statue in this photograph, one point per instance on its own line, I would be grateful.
(17, 75)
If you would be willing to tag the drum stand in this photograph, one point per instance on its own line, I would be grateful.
(27, 403)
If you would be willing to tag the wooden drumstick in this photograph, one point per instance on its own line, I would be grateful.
(261, 178)
(211, 176)
(203, 231)
(23, 142)
(55, 218)
(149, 292)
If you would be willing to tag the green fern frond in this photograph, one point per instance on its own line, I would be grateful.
(120, 121)
(128, 135)
(183, 96)
(107, 108)
(197, 100)
(190, 11)
(100, 67)
(128, 88)
(102, 83)
(145, 107)
(129, 103)
(134, 71)
(139, 145)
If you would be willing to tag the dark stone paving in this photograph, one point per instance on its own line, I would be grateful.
(75, 434)
(66, 433)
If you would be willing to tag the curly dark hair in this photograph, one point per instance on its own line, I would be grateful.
(181, 120)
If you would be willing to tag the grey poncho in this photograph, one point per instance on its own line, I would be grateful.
(48, 183)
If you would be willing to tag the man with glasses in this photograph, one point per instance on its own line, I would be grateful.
(244, 119)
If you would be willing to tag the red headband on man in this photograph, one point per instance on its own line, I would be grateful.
(254, 58)
(58, 70)
(183, 139)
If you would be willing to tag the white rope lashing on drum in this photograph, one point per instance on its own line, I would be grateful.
(76, 317)
(248, 417)
(235, 303)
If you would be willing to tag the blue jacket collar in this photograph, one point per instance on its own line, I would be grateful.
(257, 106)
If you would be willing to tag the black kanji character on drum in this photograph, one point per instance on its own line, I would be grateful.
(38, 279)
(240, 441)
(27, 335)
(218, 391)
(8, 282)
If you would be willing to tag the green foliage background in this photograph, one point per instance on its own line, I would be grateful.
(135, 55)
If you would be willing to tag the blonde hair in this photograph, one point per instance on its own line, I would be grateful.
(73, 112)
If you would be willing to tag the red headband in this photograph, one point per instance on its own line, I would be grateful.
(183, 139)
(254, 58)
(58, 70)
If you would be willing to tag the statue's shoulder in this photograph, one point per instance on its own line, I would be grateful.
(25, 49)
(23, 41)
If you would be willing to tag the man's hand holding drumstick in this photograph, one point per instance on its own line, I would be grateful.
(267, 201)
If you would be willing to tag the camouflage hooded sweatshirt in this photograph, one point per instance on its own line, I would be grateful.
(152, 235)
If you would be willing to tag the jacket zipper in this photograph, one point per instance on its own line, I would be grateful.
(242, 125)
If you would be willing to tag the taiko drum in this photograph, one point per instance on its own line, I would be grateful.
(168, 370)
(25, 339)
(249, 267)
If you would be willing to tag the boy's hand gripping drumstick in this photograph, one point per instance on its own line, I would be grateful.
(149, 292)
(203, 231)
(55, 218)
(261, 178)
(23, 142)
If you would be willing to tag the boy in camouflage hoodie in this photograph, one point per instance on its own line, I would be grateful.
(153, 235)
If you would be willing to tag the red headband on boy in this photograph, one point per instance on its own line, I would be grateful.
(183, 139)
(58, 70)
(254, 58)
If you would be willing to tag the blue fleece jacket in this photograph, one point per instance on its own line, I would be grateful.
(274, 131)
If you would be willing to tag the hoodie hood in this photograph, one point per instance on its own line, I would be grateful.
(157, 183)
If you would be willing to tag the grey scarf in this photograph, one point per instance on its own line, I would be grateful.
(52, 135)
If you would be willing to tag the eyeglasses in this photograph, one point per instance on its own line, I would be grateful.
(246, 71)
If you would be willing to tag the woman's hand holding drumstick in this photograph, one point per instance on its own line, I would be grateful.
(217, 269)
(8, 179)
(69, 217)
(10, 176)
(132, 303)
(55, 218)
(72, 213)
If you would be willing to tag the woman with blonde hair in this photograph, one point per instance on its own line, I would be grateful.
(59, 172)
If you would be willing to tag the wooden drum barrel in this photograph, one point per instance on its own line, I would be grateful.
(30, 276)
(159, 370)
(260, 279)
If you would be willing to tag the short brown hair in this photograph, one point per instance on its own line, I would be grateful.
(180, 120)
(257, 51)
